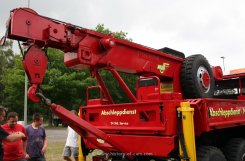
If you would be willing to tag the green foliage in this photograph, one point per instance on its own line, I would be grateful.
(6, 61)
(121, 35)
(13, 82)
(6, 56)
(115, 89)
(62, 85)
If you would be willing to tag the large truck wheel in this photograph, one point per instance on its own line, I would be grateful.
(234, 149)
(197, 79)
(209, 153)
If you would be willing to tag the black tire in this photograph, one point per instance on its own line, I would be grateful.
(172, 52)
(234, 149)
(209, 153)
(197, 79)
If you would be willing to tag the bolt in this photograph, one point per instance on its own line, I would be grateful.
(55, 31)
(28, 22)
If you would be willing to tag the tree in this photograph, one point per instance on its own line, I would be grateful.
(121, 35)
(6, 61)
(13, 82)
(6, 56)
(62, 85)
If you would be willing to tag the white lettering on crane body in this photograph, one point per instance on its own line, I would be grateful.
(118, 112)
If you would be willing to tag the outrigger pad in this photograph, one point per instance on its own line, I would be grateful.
(35, 64)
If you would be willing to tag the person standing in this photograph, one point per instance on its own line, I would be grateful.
(37, 140)
(14, 151)
(6, 136)
(71, 146)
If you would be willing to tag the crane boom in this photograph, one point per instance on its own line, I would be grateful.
(87, 48)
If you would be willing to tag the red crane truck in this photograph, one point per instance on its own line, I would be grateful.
(184, 109)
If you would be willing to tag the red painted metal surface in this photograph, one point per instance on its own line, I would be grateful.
(83, 127)
(213, 114)
(103, 86)
(149, 145)
(32, 93)
(225, 113)
(35, 63)
(86, 48)
(147, 125)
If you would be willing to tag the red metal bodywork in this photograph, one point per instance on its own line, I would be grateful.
(147, 125)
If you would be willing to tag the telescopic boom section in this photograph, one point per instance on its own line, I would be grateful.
(86, 48)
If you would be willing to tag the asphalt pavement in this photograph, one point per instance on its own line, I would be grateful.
(56, 134)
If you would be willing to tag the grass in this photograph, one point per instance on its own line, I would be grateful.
(56, 143)
(54, 151)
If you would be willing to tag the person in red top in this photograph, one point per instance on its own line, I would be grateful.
(14, 151)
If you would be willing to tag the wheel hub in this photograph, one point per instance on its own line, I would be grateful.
(203, 79)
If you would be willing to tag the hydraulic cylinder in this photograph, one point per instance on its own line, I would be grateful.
(187, 114)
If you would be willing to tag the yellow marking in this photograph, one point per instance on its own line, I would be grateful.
(225, 113)
(166, 87)
(162, 67)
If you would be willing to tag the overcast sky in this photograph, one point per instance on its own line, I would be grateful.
(213, 28)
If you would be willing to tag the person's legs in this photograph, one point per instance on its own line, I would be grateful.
(76, 158)
(74, 151)
(67, 158)
(67, 153)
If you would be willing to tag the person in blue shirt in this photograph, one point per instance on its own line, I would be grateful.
(37, 140)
